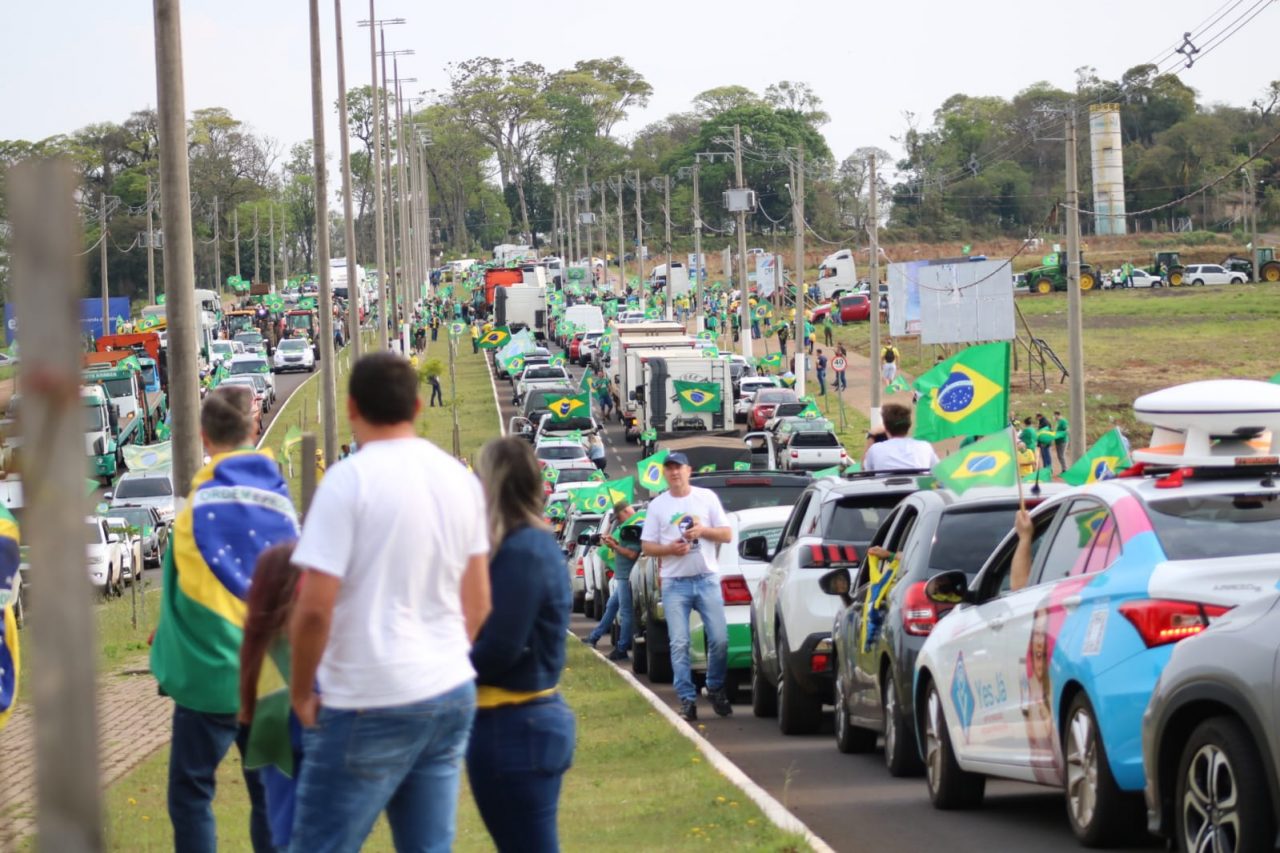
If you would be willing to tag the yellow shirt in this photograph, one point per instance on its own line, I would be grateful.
(1026, 461)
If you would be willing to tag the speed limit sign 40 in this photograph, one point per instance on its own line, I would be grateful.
(838, 364)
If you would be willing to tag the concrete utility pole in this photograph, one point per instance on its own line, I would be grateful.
(622, 243)
(1255, 254)
(328, 369)
(348, 214)
(380, 237)
(425, 174)
(874, 295)
(179, 256)
(102, 263)
(743, 291)
(640, 239)
(586, 226)
(604, 233)
(47, 267)
(271, 245)
(797, 226)
(256, 264)
(406, 254)
(575, 238)
(217, 252)
(1075, 320)
(390, 210)
(235, 228)
(151, 248)
(666, 240)
(701, 309)
(284, 249)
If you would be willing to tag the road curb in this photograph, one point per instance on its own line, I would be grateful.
(497, 404)
(774, 810)
(262, 439)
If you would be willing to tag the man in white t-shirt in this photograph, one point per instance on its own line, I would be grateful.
(685, 526)
(394, 552)
(898, 452)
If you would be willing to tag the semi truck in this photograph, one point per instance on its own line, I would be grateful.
(837, 274)
(138, 413)
(659, 400)
(521, 305)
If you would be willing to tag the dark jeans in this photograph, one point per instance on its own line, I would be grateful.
(822, 381)
(434, 331)
(436, 395)
(200, 742)
(1046, 457)
(516, 759)
(1060, 447)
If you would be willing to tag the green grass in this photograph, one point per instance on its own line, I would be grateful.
(636, 784)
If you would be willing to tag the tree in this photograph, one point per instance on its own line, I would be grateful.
(788, 95)
(721, 99)
(300, 200)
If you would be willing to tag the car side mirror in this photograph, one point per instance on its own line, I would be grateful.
(837, 582)
(949, 588)
(106, 496)
(584, 538)
(754, 548)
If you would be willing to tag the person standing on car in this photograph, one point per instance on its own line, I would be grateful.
(683, 527)
(619, 604)
(522, 740)
(898, 452)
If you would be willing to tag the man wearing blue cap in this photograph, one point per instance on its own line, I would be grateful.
(684, 527)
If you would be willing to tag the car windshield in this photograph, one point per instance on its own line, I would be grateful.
(144, 487)
(253, 365)
(734, 498)
(561, 452)
(249, 338)
(293, 345)
(223, 347)
(857, 517)
(965, 539)
(775, 395)
(95, 532)
(149, 374)
(138, 517)
(544, 373)
(93, 420)
(575, 475)
(1223, 525)
(538, 399)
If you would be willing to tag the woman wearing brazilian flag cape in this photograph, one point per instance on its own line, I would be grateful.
(239, 505)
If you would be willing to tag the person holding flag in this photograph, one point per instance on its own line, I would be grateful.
(619, 604)
(239, 505)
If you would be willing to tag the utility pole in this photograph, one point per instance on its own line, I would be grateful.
(622, 243)
(284, 249)
(390, 210)
(575, 238)
(666, 239)
(797, 226)
(744, 292)
(151, 247)
(348, 214)
(1255, 254)
(586, 226)
(874, 295)
(328, 369)
(235, 228)
(380, 238)
(271, 245)
(179, 256)
(1075, 321)
(102, 263)
(640, 239)
(426, 207)
(406, 255)
(604, 234)
(217, 254)
(256, 265)
(701, 309)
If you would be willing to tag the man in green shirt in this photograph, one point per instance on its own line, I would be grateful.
(1028, 433)
(1060, 439)
(828, 327)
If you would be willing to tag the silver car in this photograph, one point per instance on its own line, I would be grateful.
(146, 488)
(1211, 735)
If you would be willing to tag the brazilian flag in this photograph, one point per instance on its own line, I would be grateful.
(513, 364)
(989, 462)
(698, 396)
(495, 338)
(551, 474)
(1105, 459)
(621, 489)
(594, 500)
(968, 394)
(570, 406)
(10, 656)
(772, 361)
(650, 472)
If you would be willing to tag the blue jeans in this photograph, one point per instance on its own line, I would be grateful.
(515, 762)
(619, 602)
(405, 759)
(822, 381)
(680, 597)
(200, 742)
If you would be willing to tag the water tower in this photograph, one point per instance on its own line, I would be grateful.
(1106, 149)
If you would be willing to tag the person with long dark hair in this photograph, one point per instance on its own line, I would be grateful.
(523, 736)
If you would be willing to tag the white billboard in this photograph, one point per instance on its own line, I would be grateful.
(952, 301)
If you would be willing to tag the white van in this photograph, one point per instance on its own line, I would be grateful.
(588, 318)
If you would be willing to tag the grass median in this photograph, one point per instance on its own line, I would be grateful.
(636, 784)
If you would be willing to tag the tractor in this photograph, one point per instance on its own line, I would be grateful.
(1052, 274)
(1268, 266)
(1169, 267)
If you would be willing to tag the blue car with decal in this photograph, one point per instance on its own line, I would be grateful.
(1048, 682)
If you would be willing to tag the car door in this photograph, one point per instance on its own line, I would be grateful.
(849, 631)
(766, 615)
(873, 595)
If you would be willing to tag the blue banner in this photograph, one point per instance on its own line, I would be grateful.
(90, 317)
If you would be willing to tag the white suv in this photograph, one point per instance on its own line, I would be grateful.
(1211, 274)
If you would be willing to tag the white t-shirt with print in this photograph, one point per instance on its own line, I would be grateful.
(896, 454)
(396, 524)
(668, 516)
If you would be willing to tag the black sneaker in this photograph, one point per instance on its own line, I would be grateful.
(720, 702)
(689, 710)
(590, 642)
(618, 654)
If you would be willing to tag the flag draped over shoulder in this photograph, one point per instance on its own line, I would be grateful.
(10, 654)
(989, 462)
(239, 506)
(1104, 460)
(968, 394)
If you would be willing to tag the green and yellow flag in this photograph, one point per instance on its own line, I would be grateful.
(989, 462)
(593, 500)
(650, 473)
(698, 396)
(10, 654)
(899, 383)
(968, 394)
(622, 489)
(1105, 459)
(570, 406)
(495, 338)
(772, 361)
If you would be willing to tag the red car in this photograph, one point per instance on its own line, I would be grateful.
(855, 309)
(768, 399)
(574, 345)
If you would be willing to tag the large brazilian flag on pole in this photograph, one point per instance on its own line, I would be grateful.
(968, 394)
(239, 506)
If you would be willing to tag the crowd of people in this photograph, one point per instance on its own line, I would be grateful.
(414, 621)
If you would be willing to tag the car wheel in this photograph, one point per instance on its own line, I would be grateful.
(1221, 802)
(1198, 281)
(798, 712)
(657, 646)
(764, 698)
(900, 754)
(579, 602)
(849, 738)
(949, 786)
(639, 653)
(1099, 812)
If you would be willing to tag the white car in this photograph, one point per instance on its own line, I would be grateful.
(1211, 274)
(252, 365)
(588, 347)
(1141, 278)
(262, 392)
(738, 576)
(225, 350)
(130, 547)
(576, 524)
(293, 354)
(106, 571)
(626, 318)
(562, 453)
(811, 450)
(540, 376)
(146, 488)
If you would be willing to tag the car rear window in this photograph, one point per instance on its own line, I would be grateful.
(775, 395)
(814, 439)
(143, 487)
(575, 475)
(964, 540)
(856, 518)
(561, 452)
(1224, 525)
(735, 498)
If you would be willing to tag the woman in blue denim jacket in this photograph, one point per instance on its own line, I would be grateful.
(523, 737)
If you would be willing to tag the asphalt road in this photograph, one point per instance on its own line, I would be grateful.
(851, 801)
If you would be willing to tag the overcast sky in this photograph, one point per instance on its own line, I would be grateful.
(68, 63)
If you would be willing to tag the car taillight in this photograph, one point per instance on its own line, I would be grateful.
(1159, 621)
(919, 614)
(734, 589)
(608, 574)
(795, 454)
(580, 572)
(820, 660)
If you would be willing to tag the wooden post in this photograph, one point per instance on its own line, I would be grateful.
(47, 274)
(308, 469)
